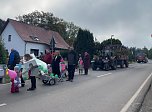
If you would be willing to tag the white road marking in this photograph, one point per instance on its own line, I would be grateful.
(3, 104)
(128, 104)
(104, 75)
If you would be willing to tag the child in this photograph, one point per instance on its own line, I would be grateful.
(16, 81)
(33, 71)
(49, 67)
(12, 86)
(80, 65)
(22, 80)
(62, 69)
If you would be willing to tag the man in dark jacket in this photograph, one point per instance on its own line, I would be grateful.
(14, 58)
(72, 62)
(55, 64)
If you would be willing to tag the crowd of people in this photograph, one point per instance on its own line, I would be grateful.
(56, 64)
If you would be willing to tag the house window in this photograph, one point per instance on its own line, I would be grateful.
(9, 38)
(35, 51)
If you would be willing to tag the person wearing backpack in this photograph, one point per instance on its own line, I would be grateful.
(14, 58)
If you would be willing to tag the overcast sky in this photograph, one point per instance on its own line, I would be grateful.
(128, 20)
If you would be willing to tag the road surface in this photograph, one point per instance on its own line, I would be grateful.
(100, 91)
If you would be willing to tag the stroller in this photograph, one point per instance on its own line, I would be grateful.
(48, 79)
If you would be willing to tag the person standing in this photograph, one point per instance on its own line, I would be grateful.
(17, 81)
(80, 65)
(47, 58)
(22, 80)
(56, 64)
(86, 62)
(72, 61)
(33, 71)
(62, 69)
(14, 58)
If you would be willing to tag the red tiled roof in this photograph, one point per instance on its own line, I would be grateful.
(44, 36)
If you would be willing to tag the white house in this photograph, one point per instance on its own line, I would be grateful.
(29, 39)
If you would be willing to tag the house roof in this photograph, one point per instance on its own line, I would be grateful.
(30, 33)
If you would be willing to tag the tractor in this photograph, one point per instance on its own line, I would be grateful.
(111, 57)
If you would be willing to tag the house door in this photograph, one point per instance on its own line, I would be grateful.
(35, 51)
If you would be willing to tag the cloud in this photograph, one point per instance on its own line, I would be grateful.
(13, 8)
(127, 20)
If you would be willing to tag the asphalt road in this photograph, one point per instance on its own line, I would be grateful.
(100, 91)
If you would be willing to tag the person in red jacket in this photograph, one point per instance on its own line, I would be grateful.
(47, 58)
(86, 62)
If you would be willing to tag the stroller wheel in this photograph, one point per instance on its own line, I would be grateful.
(52, 82)
(44, 81)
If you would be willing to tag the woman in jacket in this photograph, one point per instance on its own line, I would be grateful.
(86, 62)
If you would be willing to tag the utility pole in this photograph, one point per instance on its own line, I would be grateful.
(111, 39)
(52, 44)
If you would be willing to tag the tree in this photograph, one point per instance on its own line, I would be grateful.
(150, 53)
(1, 25)
(3, 55)
(145, 50)
(72, 31)
(97, 48)
(111, 41)
(84, 42)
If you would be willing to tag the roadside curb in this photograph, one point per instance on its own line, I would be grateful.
(137, 102)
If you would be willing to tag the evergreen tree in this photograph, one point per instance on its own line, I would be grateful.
(1, 25)
(3, 56)
(84, 42)
(150, 53)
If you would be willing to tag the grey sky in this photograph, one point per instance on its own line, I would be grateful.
(127, 20)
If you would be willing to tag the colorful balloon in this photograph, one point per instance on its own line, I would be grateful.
(56, 76)
(42, 65)
(51, 74)
(12, 74)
